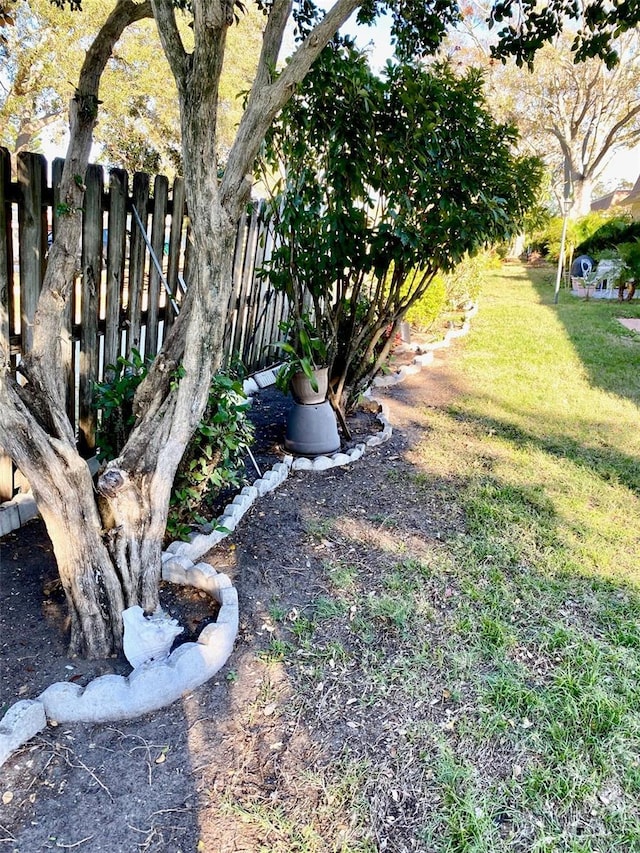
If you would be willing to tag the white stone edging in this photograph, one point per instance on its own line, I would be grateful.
(426, 358)
(148, 687)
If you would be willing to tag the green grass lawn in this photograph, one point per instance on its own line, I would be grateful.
(546, 456)
(492, 673)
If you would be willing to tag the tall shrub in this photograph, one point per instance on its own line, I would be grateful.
(384, 182)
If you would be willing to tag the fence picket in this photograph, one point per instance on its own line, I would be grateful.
(116, 241)
(160, 202)
(33, 239)
(120, 303)
(90, 307)
(175, 245)
(137, 259)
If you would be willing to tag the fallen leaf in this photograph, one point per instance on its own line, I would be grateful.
(7, 797)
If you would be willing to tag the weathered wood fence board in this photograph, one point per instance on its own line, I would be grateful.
(120, 299)
(6, 293)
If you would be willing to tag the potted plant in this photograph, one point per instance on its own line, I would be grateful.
(304, 372)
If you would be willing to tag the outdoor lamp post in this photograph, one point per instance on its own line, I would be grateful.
(566, 207)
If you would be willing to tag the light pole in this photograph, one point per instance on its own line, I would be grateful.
(566, 204)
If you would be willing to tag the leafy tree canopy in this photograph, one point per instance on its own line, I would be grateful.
(385, 182)
(529, 24)
(524, 25)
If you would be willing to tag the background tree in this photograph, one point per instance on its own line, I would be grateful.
(139, 127)
(386, 183)
(576, 116)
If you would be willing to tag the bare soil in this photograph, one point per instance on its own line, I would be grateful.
(187, 777)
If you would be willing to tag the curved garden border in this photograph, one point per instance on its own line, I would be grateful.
(155, 685)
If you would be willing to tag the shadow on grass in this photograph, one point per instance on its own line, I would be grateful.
(609, 465)
(609, 352)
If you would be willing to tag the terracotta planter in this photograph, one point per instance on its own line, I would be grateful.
(302, 391)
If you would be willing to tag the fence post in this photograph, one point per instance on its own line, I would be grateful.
(6, 300)
(90, 308)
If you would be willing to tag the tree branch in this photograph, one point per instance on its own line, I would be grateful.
(266, 100)
(44, 362)
(272, 41)
(177, 57)
(615, 130)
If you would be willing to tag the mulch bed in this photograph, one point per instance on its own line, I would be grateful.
(34, 625)
(170, 781)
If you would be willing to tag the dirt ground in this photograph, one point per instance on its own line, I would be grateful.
(182, 779)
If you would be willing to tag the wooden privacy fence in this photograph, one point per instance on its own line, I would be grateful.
(123, 298)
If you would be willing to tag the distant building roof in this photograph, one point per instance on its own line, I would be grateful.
(633, 197)
(610, 200)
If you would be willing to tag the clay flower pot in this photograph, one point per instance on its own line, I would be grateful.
(302, 390)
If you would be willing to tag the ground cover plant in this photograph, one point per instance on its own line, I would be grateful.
(438, 649)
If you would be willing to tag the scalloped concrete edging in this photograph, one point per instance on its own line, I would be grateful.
(426, 358)
(155, 685)
(148, 687)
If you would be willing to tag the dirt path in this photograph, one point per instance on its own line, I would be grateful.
(239, 764)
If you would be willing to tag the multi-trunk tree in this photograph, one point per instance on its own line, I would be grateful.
(385, 183)
(107, 535)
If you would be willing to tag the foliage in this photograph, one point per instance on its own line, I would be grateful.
(630, 254)
(617, 229)
(214, 459)
(426, 310)
(113, 400)
(139, 126)
(462, 284)
(530, 25)
(385, 183)
(452, 290)
(304, 351)
(585, 235)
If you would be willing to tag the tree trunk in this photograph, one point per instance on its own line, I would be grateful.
(582, 195)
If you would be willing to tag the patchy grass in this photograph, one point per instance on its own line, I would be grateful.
(480, 688)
